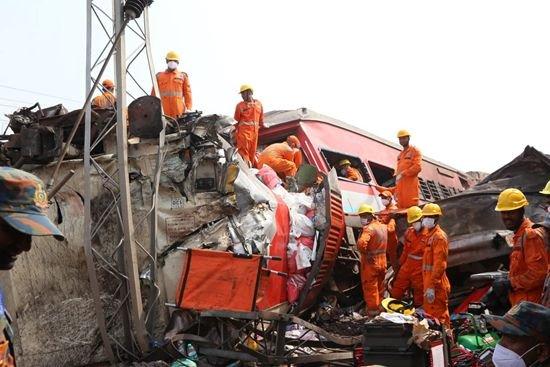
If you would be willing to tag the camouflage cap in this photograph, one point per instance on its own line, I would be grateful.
(23, 203)
(524, 319)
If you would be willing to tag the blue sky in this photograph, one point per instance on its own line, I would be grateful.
(470, 79)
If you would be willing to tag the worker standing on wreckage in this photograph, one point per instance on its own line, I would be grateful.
(174, 88)
(285, 158)
(249, 115)
(372, 247)
(22, 215)
(434, 264)
(409, 165)
(409, 273)
(529, 256)
(107, 98)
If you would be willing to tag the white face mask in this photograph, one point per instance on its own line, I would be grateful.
(365, 221)
(172, 65)
(417, 226)
(428, 223)
(504, 357)
(385, 202)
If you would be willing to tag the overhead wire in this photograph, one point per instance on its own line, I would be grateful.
(38, 93)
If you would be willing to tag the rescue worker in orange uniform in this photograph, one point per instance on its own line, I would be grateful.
(106, 99)
(249, 115)
(544, 231)
(174, 88)
(347, 171)
(409, 165)
(434, 264)
(529, 257)
(372, 247)
(409, 274)
(281, 157)
(385, 217)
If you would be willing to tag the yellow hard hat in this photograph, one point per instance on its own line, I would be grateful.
(546, 190)
(172, 56)
(431, 209)
(403, 133)
(414, 213)
(343, 162)
(246, 87)
(392, 305)
(365, 208)
(511, 199)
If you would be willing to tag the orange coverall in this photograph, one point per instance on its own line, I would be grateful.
(104, 100)
(175, 92)
(297, 157)
(384, 217)
(280, 157)
(372, 247)
(434, 264)
(6, 359)
(528, 264)
(410, 271)
(354, 174)
(409, 165)
(250, 118)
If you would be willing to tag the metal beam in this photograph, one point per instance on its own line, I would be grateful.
(130, 253)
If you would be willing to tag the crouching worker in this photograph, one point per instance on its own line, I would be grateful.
(284, 157)
(22, 215)
(434, 263)
(372, 247)
(409, 275)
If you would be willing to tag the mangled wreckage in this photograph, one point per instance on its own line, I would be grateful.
(245, 269)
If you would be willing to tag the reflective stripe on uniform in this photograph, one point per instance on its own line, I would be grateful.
(171, 93)
(426, 267)
(376, 252)
(415, 257)
(248, 123)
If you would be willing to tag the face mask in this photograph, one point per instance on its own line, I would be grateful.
(172, 65)
(428, 223)
(504, 357)
(417, 226)
(343, 171)
(365, 221)
(385, 202)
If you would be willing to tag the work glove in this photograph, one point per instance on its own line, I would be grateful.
(430, 295)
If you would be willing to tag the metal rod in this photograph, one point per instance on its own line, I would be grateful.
(87, 102)
(60, 184)
(130, 256)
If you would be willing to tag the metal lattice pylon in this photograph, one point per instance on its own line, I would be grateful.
(118, 306)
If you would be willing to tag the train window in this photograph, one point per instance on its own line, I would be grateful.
(382, 174)
(424, 189)
(433, 190)
(445, 190)
(333, 158)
